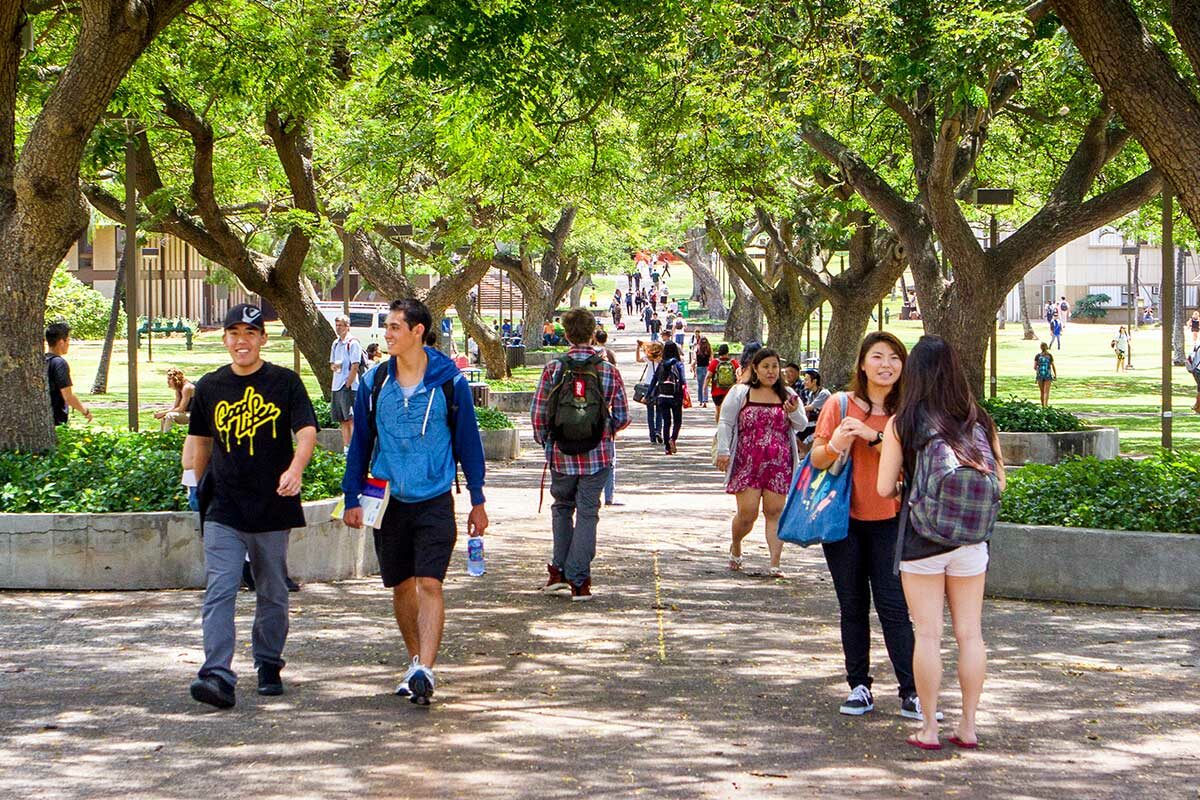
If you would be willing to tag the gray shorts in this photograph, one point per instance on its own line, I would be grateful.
(341, 407)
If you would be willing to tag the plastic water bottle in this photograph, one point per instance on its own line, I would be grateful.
(475, 563)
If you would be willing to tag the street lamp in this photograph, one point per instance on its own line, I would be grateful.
(1131, 252)
(992, 197)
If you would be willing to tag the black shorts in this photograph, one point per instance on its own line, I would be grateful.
(718, 399)
(416, 540)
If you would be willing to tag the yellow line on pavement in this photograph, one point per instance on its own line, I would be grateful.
(658, 607)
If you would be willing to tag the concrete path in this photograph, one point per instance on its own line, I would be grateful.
(679, 680)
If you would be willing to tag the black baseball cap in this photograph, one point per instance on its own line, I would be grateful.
(244, 314)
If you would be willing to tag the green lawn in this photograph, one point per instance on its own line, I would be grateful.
(1087, 381)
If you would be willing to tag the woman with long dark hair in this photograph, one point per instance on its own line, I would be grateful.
(650, 354)
(702, 353)
(861, 564)
(936, 401)
(756, 446)
(666, 392)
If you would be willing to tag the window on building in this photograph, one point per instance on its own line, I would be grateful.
(1118, 296)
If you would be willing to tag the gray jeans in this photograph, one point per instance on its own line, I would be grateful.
(225, 550)
(575, 514)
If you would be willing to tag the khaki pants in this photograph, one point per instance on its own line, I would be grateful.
(173, 418)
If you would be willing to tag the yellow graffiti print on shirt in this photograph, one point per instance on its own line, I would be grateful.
(239, 421)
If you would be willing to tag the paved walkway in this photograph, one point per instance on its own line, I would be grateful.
(679, 680)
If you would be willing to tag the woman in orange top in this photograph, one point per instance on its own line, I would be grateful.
(861, 564)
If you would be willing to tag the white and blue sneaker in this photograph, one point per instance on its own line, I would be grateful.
(859, 702)
(910, 707)
(421, 684)
(402, 690)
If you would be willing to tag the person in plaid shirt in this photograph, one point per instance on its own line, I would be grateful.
(577, 480)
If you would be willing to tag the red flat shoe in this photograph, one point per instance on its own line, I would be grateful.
(915, 742)
(957, 742)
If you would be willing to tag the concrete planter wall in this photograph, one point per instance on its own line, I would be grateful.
(1086, 565)
(1051, 448)
(158, 550)
(513, 402)
(501, 445)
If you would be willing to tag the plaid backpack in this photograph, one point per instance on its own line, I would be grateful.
(953, 503)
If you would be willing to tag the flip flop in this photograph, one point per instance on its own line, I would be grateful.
(735, 562)
(957, 742)
(915, 742)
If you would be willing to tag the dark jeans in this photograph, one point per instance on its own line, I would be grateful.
(652, 419)
(670, 417)
(861, 566)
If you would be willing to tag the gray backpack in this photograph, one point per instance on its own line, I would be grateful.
(953, 503)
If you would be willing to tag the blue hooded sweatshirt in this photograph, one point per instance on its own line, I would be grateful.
(417, 446)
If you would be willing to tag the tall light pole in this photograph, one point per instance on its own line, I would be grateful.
(992, 197)
(131, 275)
(1130, 251)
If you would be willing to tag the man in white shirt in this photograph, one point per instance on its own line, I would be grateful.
(344, 359)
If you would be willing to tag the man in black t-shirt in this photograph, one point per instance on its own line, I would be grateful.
(58, 374)
(243, 418)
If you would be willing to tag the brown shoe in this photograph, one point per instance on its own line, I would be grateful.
(556, 582)
(582, 591)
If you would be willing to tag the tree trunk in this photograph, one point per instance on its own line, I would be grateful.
(1025, 324)
(491, 349)
(696, 255)
(839, 352)
(965, 321)
(745, 320)
(100, 384)
(296, 303)
(25, 420)
(1143, 85)
(576, 294)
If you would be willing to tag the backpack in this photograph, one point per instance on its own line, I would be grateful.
(576, 408)
(667, 381)
(451, 410)
(726, 375)
(1043, 366)
(952, 503)
(1193, 362)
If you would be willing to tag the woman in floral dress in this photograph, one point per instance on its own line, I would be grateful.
(756, 446)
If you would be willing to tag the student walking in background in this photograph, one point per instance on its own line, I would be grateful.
(756, 447)
(1056, 328)
(1194, 324)
(702, 354)
(937, 424)
(1120, 346)
(650, 353)
(58, 374)
(861, 564)
(666, 392)
(722, 376)
(1045, 372)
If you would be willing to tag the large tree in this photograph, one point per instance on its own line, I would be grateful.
(50, 103)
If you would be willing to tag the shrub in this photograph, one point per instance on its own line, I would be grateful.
(1015, 415)
(81, 307)
(492, 420)
(1091, 306)
(324, 416)
(1154, 494)
(101, 471)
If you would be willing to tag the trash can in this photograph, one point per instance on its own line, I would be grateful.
(683, 308)
(514, 355)
(480, 393)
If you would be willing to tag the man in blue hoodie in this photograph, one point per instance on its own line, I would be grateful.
(424, 420)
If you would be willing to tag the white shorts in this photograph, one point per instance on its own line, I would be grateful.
(963, 562)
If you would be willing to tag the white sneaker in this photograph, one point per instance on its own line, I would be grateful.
(421, 685)
(859, 702)
(402, 690)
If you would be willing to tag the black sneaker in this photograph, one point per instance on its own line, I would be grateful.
(269, 682)
(214, 691)
(910, 708)
(859, 702)
(291, 584)
(247, 576)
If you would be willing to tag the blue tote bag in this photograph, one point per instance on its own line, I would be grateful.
(818, 502)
